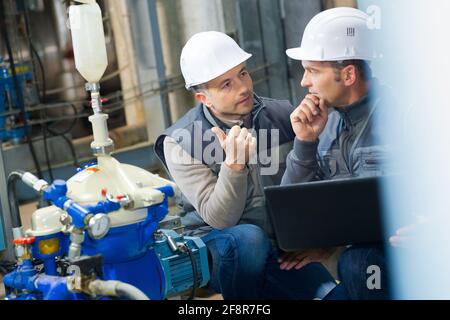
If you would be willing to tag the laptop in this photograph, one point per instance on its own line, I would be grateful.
(326, 213)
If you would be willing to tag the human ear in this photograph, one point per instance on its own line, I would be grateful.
(203, 98)
(349, 75)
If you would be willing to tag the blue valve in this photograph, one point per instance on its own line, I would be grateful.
(56, 194)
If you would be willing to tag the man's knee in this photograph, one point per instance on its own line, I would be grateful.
(244, 241)
(357, 259)
(238, 258)
(359, 264)
(251, 234)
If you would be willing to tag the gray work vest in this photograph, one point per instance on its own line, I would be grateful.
(353, 144)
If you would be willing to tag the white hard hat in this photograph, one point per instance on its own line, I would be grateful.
(208, 55)
(334, 35)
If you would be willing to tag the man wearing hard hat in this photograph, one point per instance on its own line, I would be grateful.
(338, 131)
(223, 198)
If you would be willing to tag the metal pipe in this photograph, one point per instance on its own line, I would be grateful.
(157, 48)
(114, 288)
(128, 291)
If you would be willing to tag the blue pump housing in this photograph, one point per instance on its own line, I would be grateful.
(134, 254)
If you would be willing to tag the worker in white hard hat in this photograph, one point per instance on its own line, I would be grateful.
(208, 153)
(337, 128)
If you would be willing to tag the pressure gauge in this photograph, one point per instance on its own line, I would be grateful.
(98, 226)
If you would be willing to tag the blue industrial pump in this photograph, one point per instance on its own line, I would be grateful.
(101, 237)
(133, 261)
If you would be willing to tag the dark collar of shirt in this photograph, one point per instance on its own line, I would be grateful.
(359, 111)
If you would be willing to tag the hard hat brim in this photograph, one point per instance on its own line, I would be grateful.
(243, 59)
(296, 53)
(301, 54)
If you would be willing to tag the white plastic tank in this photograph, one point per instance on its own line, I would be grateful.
(88, 40)
(87, 187)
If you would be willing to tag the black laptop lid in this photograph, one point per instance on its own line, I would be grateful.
(326, 213)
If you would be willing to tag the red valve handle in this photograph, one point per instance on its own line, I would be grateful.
(27, 240)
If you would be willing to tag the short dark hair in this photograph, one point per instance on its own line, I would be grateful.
(198, 88)
(362, 66)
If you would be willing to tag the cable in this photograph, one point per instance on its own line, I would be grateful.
(116, 94)
(3, 270)
(72, 151)
(110, 108)
(41, 66)
(194, 272)
(63, 133)
(43, 114)
(71, 126)
(22, 116)
(6, 267)
(34, 52)
(47, 155)
(12, 198)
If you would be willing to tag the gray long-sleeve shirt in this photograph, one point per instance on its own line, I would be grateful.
(301, 165)
(214, 196)
(221, 200)
(350, 145)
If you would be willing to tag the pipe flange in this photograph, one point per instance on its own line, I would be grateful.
(93, 87)
(103, 150)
